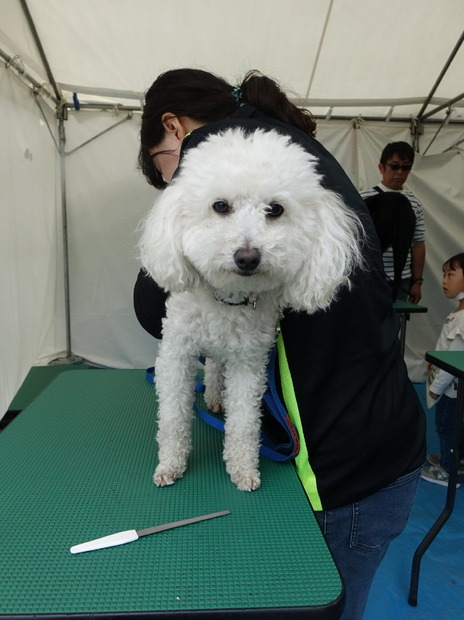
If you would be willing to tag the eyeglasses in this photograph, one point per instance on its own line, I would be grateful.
(396, 167)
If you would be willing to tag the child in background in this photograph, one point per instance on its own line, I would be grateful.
(441, 385)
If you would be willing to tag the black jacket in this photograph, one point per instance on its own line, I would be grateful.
(362, 421)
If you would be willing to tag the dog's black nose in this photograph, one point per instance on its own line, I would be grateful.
(247, 260)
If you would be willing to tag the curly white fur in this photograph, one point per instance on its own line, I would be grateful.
(246, 217)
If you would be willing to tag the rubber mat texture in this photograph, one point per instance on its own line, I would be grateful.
(37, 380)
(77, 464)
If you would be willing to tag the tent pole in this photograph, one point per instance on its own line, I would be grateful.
(69, 357)
(40, 49)
(64, 214)
(61, 116)
(441, 76)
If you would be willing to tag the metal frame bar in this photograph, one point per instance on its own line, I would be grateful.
(440, 77)
(450, 500)
(61, 116)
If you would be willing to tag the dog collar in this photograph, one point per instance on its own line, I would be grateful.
(251, 300)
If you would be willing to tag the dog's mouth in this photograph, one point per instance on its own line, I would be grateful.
(245, 273)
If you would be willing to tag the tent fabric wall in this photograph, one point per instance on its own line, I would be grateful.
(31, 326)
(308, 46)
(108, 197)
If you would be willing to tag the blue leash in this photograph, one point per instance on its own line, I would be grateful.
(272, 405)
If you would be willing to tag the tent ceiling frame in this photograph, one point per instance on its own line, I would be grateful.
(43, 89)
(59, 105)
(40, 49)
(447, 104)
(319, 48)
(60, 101)
(440, 78)
(15, 63)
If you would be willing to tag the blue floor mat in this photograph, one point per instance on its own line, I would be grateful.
(441, 581)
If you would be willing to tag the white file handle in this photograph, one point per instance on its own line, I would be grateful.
(120, 538)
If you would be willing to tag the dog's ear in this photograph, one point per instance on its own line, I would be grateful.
(160, 247)
(332, 247)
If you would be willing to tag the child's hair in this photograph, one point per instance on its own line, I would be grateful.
(206, 97)
(455, 262)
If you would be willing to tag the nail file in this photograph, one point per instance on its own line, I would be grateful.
(127, 536)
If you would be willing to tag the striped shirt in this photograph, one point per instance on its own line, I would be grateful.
(419, 232)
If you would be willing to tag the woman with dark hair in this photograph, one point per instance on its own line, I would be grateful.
(201, 97)
(354, 401)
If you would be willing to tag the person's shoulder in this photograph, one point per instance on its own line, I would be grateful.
(367, 193)
(413, 199)
(250, 119)
(458, 316)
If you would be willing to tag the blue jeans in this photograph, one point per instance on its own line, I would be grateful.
(445, 411)
(358, 536)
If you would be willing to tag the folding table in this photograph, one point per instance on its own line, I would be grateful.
(452, 362)
(77, 464)
(405, 309)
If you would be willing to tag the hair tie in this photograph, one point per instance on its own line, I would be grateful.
(238, 95)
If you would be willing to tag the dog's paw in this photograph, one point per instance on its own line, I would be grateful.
(214, 402)
(215, 406)
(246, 480)
(164, 476)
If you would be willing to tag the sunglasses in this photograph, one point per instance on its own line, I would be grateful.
(396, 167)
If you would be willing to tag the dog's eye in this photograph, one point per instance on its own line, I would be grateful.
(274, 210)
(221, 207)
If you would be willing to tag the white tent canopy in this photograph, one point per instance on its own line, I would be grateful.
(371, 72)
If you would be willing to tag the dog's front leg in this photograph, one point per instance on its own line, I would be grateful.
(175, 373)
(245, 387)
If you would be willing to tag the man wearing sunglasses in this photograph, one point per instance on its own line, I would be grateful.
(395, 165)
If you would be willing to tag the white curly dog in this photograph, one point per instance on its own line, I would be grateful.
(244, 230)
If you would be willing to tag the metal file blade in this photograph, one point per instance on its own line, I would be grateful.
(127, 536)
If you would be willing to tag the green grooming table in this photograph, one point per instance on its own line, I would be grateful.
(36, 381)
(77, 464)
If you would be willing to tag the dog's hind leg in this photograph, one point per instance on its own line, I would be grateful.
(245, 387)
(175, 374)
(214, 385)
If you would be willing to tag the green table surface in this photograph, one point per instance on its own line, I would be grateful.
(406, 307)
(77, 464)
(451, 361)
(37, 380)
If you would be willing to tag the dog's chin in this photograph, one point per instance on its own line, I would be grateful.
(241, 281)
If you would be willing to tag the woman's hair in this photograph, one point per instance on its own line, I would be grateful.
(206, 97)
(455, 262)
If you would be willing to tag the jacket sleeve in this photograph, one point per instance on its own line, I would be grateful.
(149, 304)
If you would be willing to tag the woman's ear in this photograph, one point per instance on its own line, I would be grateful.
(173, 125)
(179, 126)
